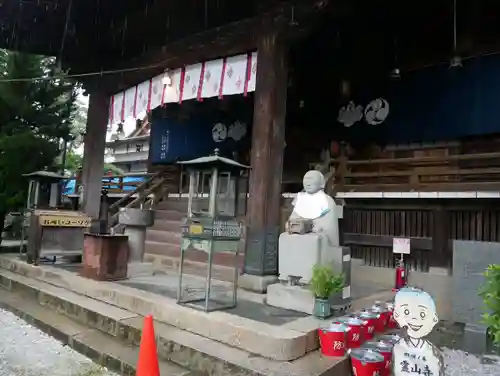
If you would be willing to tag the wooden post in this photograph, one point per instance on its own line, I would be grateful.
(93, 153)
(268, 142)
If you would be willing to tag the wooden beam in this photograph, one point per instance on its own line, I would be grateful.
(230, 39)
(385, 241)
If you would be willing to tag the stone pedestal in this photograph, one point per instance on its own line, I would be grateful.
(136, 222)
(295, 298)
(105, 257)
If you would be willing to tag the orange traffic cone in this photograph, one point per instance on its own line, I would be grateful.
(148, 358)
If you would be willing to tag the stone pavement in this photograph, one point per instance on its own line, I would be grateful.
(27, 351)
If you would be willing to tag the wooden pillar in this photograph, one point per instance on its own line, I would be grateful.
(268, 142)
(93, 153)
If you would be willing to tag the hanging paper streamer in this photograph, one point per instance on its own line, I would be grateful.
(118, 108)
(252, 78)
(142, 98)
(156, 91)
(235, 77)
(129, 104)
(228, 76)
(191, 82)
(211, 80)
(172, 91)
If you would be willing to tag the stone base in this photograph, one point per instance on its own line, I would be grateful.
(140, 269)
(105, 257)
(475, 338)
(256, 283)
(296, 298)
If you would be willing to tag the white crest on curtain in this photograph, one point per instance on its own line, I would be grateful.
(237, 130)
(211, 79)
(350, 114)
(235, 77)
(376, 111)
(219, 132)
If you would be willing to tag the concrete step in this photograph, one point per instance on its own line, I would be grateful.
(167, 225)
(174, 215)
(163, 236)
(173, 204)
(194, 268)
(174, 250)
(68, 314)
(102, 348)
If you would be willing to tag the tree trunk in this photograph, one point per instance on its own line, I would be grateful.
(2, 224)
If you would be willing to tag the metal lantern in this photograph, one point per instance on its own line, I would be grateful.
(213, 228)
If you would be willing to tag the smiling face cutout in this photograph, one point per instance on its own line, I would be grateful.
(415, 309)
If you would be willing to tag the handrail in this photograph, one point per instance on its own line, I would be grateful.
(142, 197)
(131, 193)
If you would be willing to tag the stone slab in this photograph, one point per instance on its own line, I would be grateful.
(475, 338)
(470, 260)
(184, 348)
(295, 298)
(100, 348)
(256, 283)
(249, 335)
(139, 269)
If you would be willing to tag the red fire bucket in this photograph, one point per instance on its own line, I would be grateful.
(333, 340)
(384, 349)
(357, 334)
(367, 362)
(371, 319)
(383, 319)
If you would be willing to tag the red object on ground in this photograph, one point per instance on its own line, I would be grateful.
(367, 362)
(384, 349)
(148, 365)
(370, 318)
(333, 340)
(401, 277)
(356, 335)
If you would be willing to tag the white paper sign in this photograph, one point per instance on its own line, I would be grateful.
(401, 245)
(346, 292)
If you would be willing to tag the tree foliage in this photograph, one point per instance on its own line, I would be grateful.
(34, 116)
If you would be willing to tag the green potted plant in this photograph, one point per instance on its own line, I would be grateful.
(324, 283)
(490, 292)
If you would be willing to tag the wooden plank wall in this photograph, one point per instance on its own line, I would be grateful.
(370, 225)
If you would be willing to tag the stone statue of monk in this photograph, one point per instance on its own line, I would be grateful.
(298, 253)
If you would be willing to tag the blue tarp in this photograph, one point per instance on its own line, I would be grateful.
(69, 187)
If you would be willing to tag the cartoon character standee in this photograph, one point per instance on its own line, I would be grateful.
(415, 312)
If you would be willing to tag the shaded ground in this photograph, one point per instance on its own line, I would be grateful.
(27, 351)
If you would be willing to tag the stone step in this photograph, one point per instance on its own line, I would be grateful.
(163, 236)
(174, 250)
(102, 348)
(179, 205)
(167, 225)
(173, 215)
(199, 269)
(178, 349)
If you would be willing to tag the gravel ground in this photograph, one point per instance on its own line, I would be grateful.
(460, 363)
(27, 351)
